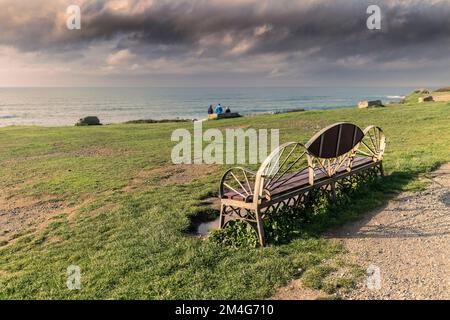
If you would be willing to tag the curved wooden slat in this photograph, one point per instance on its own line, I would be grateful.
(282, 166)
(334, 140)
(373, 144)
(237, 181)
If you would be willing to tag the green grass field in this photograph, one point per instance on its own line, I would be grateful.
(123, 210)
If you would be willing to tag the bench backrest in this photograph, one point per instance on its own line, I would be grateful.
(335, 140)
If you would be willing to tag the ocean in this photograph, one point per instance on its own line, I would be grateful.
(64, 106)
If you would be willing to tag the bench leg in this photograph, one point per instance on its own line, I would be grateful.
(333, 191)
(260, 227)
(222, 216)
(381, 169)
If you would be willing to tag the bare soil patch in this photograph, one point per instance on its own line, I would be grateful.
(167, 175)
(296, 291)
(19, 216)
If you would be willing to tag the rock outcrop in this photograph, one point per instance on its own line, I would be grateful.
(89, 121)
(426, 99)
(370, 104)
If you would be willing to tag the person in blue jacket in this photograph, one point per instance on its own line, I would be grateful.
(218, 109)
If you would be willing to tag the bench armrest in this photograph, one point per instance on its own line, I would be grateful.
(238, 180)
(280, 168)
(373, 144)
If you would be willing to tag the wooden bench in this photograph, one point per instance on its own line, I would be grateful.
(293, 171)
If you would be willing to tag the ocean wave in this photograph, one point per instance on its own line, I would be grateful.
(9, 116)
(395, 97)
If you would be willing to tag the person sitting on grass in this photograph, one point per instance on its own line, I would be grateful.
(210, 109)
(227, 110)
(219, 109)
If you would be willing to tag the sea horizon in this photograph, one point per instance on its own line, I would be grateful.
(60, 106)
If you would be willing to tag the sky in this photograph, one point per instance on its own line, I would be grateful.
(224, 43)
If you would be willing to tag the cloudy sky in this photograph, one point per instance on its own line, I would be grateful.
(224, 43)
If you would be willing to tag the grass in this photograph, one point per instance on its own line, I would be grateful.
(127, 227)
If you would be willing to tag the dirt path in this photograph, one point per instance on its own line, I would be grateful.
(407, 243)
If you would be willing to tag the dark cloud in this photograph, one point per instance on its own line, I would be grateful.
(318, 30)
(333, 29)
(337, 28)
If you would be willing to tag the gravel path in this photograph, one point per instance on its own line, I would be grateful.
(405, 247)
(407, 244)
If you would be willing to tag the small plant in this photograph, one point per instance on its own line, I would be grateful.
(236, 234)
(285, 224)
